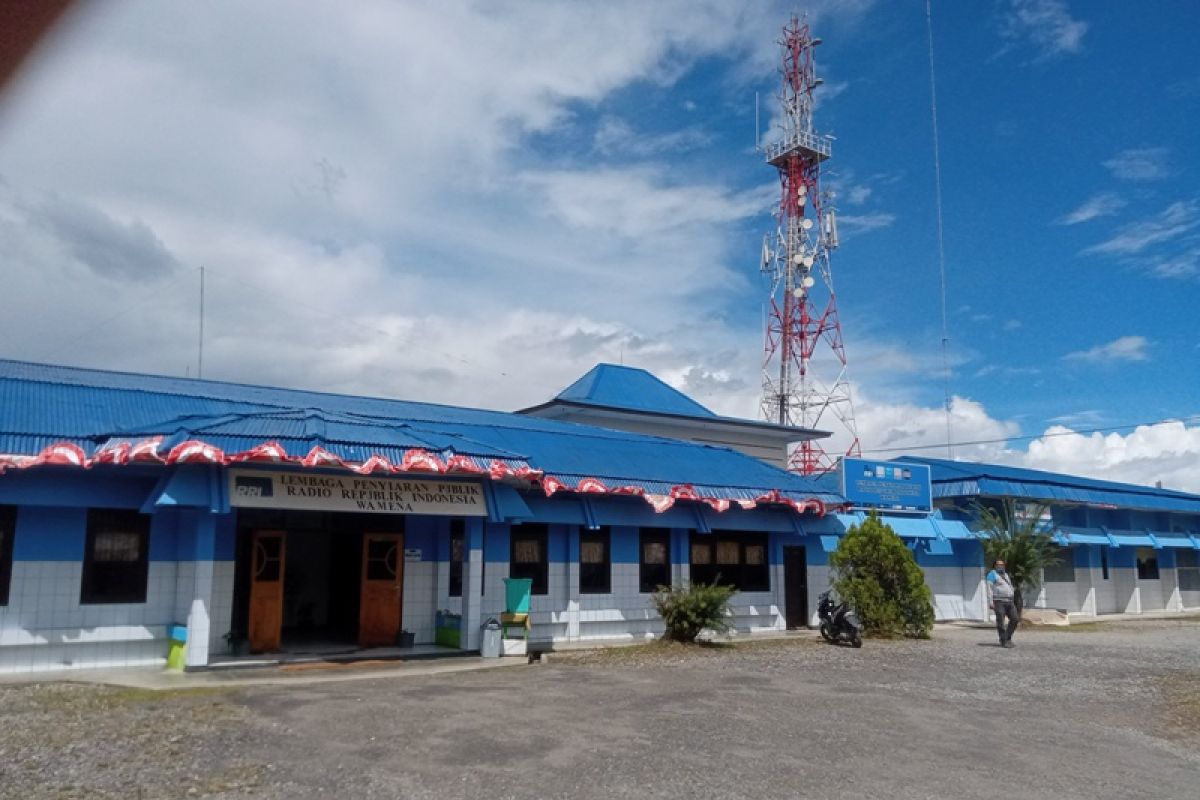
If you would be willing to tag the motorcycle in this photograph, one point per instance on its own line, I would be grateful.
(839, 622)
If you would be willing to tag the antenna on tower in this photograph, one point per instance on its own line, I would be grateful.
(802, 316)
(200, 332)
(937, 177)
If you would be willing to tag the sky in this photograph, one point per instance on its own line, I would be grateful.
(474, 203)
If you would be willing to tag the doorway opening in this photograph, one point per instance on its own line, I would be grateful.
(302, 584)
(795, 587)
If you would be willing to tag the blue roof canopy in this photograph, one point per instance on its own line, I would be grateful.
(966, 479)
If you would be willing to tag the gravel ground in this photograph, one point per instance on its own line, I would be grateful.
(1110, 711)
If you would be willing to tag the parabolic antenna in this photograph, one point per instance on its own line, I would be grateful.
(797, 293)
(798, 258)
(808, 261)
(807, 282)
(806, 224)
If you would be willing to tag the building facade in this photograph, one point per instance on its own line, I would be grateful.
(1125, 549)
(137, 511)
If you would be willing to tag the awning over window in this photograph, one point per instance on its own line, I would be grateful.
(906, 527)
(1126, 539)
(1085, 535)
(940, 547)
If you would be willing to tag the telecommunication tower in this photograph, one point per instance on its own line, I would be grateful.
(804, 364)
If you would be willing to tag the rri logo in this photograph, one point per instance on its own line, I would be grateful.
(252, 487)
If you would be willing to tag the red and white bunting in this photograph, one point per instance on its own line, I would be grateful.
(421, 460)
(130, 451)
(591, 486)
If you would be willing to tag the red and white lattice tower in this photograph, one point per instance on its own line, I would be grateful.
(804, 366)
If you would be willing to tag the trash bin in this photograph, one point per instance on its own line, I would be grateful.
(177, 649)
(489, 643)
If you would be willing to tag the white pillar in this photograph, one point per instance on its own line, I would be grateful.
(198, 621)
(472, 584)
(573, 534)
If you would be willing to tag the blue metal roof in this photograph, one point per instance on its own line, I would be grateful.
(966, 479)
(44, 404)
(631, 388)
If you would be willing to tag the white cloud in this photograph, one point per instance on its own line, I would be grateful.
(1101, 205)
(1179, 266)
(1168, 452)
(864, 223)
(1140, 164)
(1006, 371)
(857, 195)
(361, 188)
(1124, 348)
(615, 137)
(1172, 222)
(1047, 26)
(636, 202)
(887, 429)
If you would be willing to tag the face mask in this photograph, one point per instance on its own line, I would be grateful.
(1000, 570)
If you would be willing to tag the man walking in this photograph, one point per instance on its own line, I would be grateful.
(1002, 592)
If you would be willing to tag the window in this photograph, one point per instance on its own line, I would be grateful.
(1187, 562)
(1104, 562)
(458, 548)
(1147, 564)
(654, 559)
(595, 563)
(732, 558)
(116, 562)
(8, 524)
(1064, 570)
(529, 558)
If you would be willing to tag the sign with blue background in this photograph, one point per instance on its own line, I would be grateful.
(886, 485)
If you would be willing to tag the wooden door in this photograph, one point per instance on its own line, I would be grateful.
(795, 587)
(382, 589)
(266, 590)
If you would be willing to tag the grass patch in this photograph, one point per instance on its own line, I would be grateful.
(1074, 627)
(666, 650)
(90, 697)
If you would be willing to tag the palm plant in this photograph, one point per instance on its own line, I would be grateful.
(1021, 540)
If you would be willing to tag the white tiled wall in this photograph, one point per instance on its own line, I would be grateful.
(220, 611)
(949, 598)
(421, 596)
(44, 627)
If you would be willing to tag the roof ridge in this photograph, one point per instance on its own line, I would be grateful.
(980, 468)
(498, 418)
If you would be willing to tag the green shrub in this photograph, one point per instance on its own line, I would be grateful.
(876, 573)
(688, 610)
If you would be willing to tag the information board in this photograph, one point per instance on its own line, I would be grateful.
(889, 485)
(312, 491)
